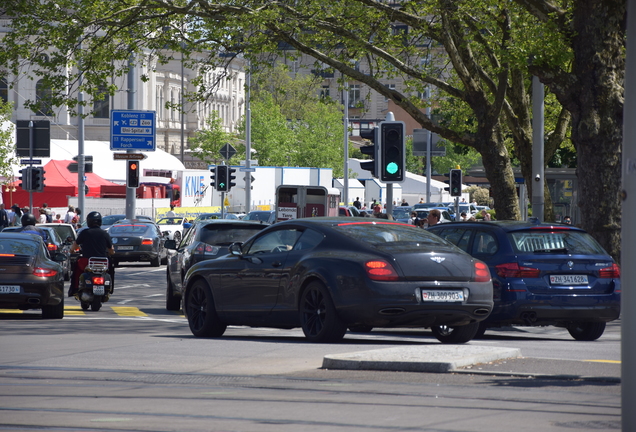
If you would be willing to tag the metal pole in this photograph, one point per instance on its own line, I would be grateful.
(131, 193)
(389, 186)
(538, 199)
(80, 152)
(429, 144)
(248, 138)
(345, 121)
(182, 110)
(628, 233)
(31, 143)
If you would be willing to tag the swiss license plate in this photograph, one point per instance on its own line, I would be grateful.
(125, 247)
(443, 295)
(9, 289)
(568, 280)
(98, 289)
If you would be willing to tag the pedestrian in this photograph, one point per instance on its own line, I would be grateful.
(404, 203)
(377, 210)
(485, 215)
(433, 217)
(171, 212)
(421, 200)
(42, 216)
(463, 217)
(68, 218)
(567, 220)
(17, 214)
(4, 217)
(47, 212)
(413, 219)
(357, 204)
(78, 216)
(58, 218)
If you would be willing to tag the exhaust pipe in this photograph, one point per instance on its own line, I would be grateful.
(33, 301)
(481, 311)
(392, 311)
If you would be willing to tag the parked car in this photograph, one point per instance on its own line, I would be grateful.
(268, 216)
(210, 216)
(30, 279)
(138, 241)
(543, 274)
(205, 240)
(174, 226)
(402, 213)
(327, 274)
(349, 211)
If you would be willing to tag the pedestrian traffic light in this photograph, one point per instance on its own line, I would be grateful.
(372, 150)
(132, 180)
(37, 179)
(25, 179)
(455, 182)
(230, 177)
(222, 182)
(392, 158)
(213, 177)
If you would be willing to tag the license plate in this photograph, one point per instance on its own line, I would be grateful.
(98, 289)
(9, 289)
(125, 247)
(568, 280)
(442, 295)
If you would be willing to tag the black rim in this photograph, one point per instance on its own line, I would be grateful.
(197, 307)
(314, 311)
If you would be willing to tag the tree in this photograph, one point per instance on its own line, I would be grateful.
(7, 146)
(206, 143)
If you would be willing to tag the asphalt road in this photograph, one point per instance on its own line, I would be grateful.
(133, 366)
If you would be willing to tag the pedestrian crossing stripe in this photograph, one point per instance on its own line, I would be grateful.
(127, 311)
(123, 311)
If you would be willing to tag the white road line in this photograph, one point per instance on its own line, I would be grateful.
(153, 295)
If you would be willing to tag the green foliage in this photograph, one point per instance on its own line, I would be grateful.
(7, 146)
(207, 143)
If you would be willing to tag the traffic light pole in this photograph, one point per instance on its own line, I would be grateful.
(131, 193)
(31, 140)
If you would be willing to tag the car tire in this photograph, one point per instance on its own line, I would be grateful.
(155, 262)
(586, 331)
(455, 335)
(201, 311)
(173, 303)
(481, 331)
(53, 312)
(318, 316)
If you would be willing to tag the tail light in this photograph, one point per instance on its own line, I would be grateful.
(7, 255)
(206, 249)
(52, 247)
(44, 272)
(380, 270)
(514, 270)
(146, 242)
(98, 280)
(611, 272)
(482, 274)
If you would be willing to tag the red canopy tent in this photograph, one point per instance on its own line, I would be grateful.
(59, 184)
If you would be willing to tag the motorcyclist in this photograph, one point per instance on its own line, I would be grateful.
(28, 221)
(94, 242)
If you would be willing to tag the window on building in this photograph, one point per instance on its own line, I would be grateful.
(159, 102)
(354, 95)
(43, 95)
(101, 107)
(325, 92)
(4, 90)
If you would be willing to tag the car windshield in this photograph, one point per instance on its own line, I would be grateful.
(111, 219)
(226, 235)
(258, 216)
(570, 241)
(64, 231)
(170, 221)
(13, 246)
(379, 232)
(130, 229)
(401, 213)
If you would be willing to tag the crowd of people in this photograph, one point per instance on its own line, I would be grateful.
(12, 216)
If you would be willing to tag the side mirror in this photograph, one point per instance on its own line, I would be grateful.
(235, 248)
(170, 244)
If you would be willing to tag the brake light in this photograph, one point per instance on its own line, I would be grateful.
(380, 270)
(51, 247)
(146, 242)
(514, 270)
(7, 255)
(98, 280)
(611, 272)
(44, 272)
(482, 274)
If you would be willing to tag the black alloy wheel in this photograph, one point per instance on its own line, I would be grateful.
(201, 312)
(318, 316)
(455, 335)
(586, 331)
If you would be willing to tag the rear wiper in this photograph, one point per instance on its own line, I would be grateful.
(556, 250)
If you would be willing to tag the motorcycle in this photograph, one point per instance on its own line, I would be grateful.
(95, 285)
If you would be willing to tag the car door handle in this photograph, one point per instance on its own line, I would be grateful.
(277, 264)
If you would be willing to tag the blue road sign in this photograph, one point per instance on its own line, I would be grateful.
(133, 130)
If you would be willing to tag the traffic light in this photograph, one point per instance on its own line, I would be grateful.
(392, 158)
(454, 183)
(372, 150)
(132, 180)
(213, 177)
(222, 182)
(37, 179)
(230, 177)
(25, 179)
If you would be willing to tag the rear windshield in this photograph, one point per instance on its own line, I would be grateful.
(226, 235)
(170, 221)
(130, 229)
(567, 241)
(401, 213)
(258, 216)
(379, 233)
(15, 246)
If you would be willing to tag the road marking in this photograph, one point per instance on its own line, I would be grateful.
(604, 361)
(153, 295)
(11, 311)
(73, 310)
(145, 272)
(128, 311)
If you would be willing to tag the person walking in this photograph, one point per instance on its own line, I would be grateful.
(68, 218)
(357, 204)
(4, 217)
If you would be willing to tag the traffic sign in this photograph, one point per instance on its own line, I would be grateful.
(250, 169)
(227, 151)
(30, 161)
(129, 156)
(133, 130)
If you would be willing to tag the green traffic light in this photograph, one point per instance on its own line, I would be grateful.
(221, 185)
(392, 168)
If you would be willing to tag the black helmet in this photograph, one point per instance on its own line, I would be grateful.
(94, 219)
(28, 219)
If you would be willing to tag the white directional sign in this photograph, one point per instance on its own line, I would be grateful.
(133, 130)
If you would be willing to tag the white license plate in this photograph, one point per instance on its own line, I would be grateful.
(442, 295)
(125, 247)
(568, 280)
(98, 289)
(9, 289)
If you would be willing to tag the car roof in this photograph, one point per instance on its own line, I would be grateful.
(512, 225)
(19, 235)
(229, 222)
